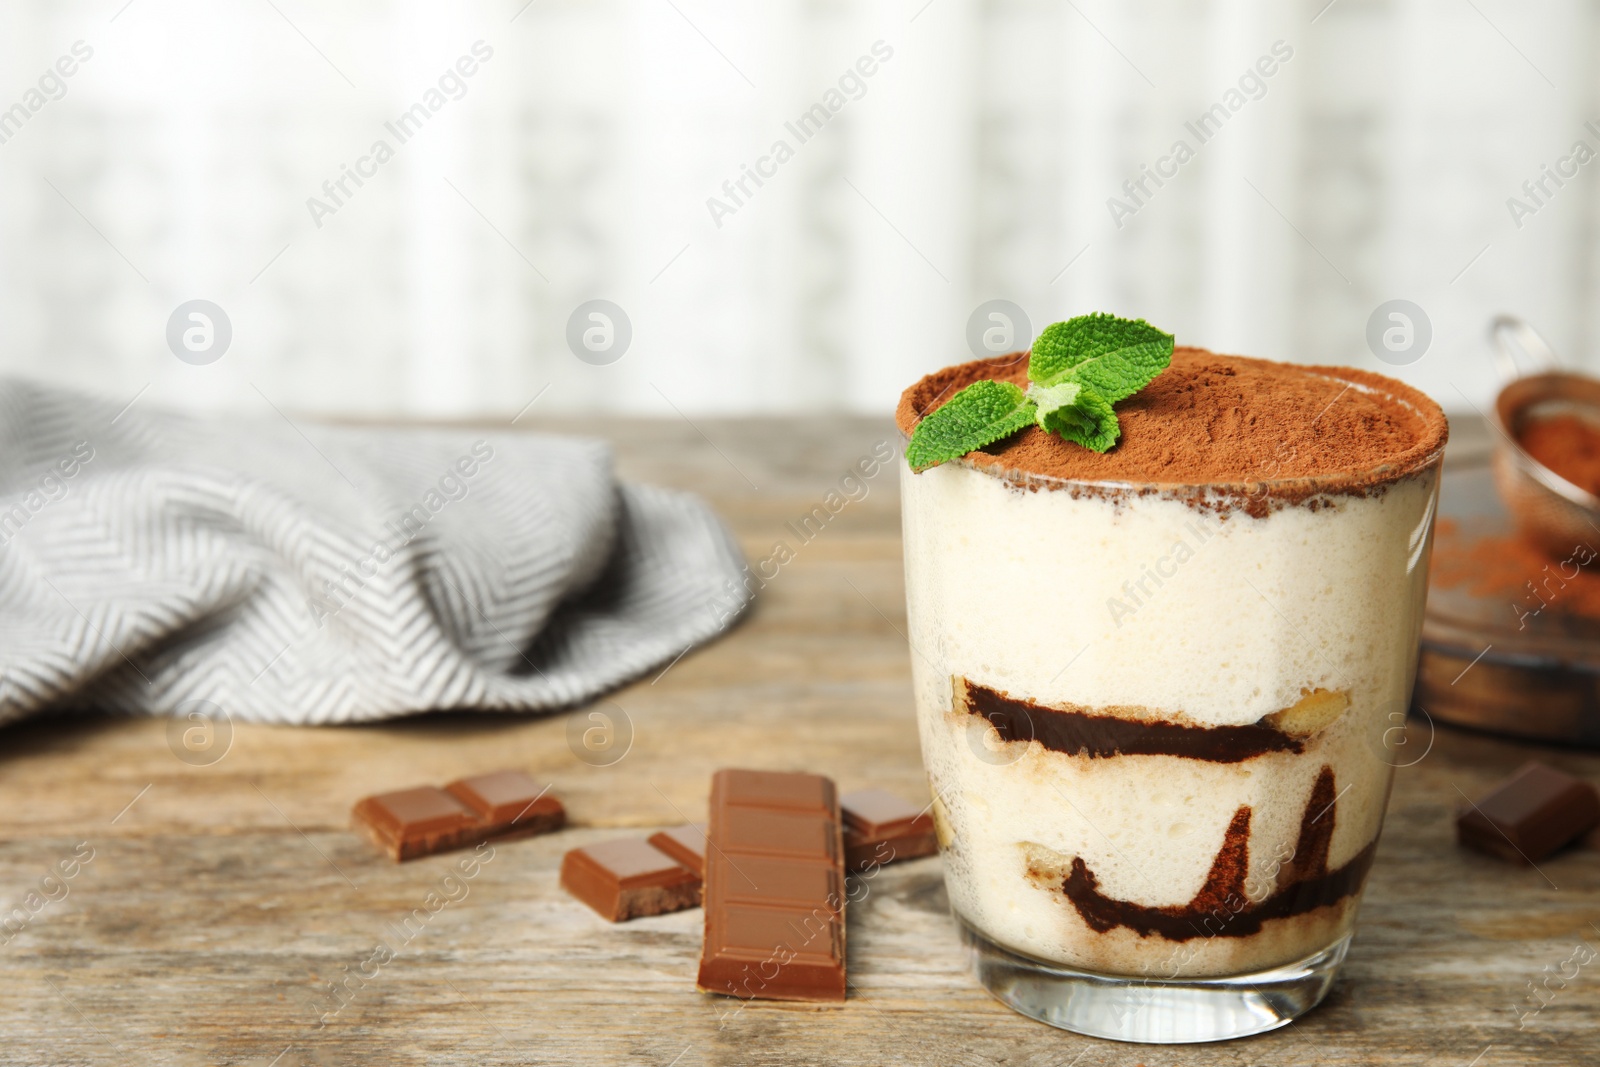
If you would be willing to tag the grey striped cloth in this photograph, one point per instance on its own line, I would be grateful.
(294, 573)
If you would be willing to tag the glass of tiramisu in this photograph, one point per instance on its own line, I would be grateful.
(1159, 685)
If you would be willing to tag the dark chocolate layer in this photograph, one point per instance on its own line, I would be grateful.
(1102, 736)
(1221, 907)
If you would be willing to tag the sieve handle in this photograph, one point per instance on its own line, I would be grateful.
(1514, 343)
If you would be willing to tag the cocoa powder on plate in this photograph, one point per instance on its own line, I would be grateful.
(1505, 565)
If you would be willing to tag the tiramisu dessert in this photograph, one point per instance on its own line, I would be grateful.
(1162, 652)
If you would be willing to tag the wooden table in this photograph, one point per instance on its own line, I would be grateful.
(220, 899)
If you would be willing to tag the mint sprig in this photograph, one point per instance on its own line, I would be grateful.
(1076, 413)
(1076, 371)
(979, 415)
(1114, 357)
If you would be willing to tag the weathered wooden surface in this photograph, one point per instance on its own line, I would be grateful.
(217, 905)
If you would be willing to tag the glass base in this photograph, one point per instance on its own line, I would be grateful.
(1123, 1008)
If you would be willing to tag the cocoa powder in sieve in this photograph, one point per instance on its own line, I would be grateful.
(1568, 445)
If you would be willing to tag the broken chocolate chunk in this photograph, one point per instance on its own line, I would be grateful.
(1530, 815)
(628, 879)
(686, 844)
(880, 828)
(490, 807)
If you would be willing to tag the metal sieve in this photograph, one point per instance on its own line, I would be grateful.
(1548, 510)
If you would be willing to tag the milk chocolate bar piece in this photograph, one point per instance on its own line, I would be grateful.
(629, 878)
(1530, 815)
(686, 844)
(880, 827)
(774, 890)
(421, 821)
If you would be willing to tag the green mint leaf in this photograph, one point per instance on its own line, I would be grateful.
(1051, 398)
(1114, 357)
(1077, 413)
(979, 415)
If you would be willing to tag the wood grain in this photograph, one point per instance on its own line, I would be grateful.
(226, 896)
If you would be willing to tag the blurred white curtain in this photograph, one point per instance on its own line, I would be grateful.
(976, 163)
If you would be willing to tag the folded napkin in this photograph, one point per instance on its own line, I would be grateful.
(294, 573)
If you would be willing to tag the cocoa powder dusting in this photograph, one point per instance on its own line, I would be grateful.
(1568, 445)
(1217, 420)
(1225, 882)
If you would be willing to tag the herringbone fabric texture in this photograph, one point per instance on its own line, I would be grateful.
(304, 574)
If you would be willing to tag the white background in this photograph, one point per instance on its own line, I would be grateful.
(977, 165)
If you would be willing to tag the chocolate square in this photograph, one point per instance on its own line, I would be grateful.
(628, 878)
(421, 821)
(686, 844)
(511, 799)
(413, 822)
(880, 827)
(1530, 815)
